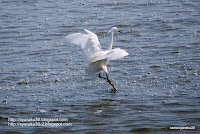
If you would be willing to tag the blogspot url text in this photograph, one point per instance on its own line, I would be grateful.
(28, 122)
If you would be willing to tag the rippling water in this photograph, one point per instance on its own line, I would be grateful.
(41, 76)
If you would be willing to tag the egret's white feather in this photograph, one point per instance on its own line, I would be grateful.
(77, 38)
(97, 58)
(89, 43)
(111, 55)
(94, 67)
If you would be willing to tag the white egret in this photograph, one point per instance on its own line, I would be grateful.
(96, 57)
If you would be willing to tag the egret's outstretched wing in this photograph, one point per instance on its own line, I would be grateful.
(112, 55)
(89, 43)
(77, 38)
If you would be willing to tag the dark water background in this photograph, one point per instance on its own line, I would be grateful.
(41, 76)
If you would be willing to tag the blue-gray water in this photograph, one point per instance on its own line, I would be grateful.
(42, 76)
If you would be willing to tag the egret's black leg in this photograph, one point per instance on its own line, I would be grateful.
(105, 78)
(109, 81)
(101, 76)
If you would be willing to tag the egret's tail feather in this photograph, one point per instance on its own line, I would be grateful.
(90, 71)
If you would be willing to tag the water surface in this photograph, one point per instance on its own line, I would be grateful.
(42, 76)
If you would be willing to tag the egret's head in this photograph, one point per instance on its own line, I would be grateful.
(114, 29)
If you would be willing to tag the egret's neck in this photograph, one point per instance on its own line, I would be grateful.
(111, 41)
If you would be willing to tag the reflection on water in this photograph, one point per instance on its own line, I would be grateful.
(41, 76)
